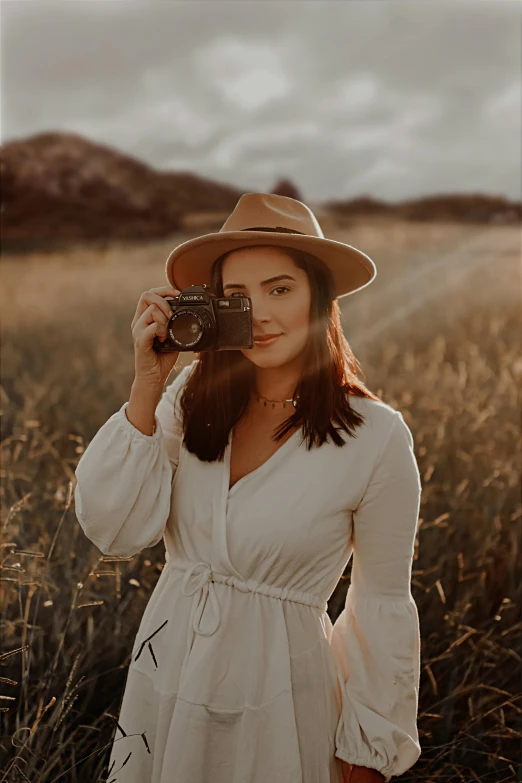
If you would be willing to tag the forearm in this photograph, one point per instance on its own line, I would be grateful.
(142, 405)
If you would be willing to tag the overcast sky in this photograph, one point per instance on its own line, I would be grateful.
(386, 98)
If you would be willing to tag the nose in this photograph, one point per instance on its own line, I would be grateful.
(260, 311)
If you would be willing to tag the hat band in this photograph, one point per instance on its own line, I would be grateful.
(282, 229)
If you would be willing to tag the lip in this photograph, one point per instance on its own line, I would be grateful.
(267, 341)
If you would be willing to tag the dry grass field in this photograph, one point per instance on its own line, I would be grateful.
(438, 336)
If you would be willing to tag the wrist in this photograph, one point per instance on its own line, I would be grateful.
(141, 408)
(145, 389)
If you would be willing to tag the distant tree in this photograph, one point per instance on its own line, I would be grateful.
(286, 187)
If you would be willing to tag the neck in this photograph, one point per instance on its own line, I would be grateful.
(277, 383)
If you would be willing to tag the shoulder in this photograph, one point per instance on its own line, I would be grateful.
(378, 415)
(382, 425)
(387, 438)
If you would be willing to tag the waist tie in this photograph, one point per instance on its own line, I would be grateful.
(201, 586)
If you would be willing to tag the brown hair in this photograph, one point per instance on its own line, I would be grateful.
(218, 389)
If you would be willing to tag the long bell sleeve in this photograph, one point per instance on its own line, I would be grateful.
(124, 477)
(376, 639)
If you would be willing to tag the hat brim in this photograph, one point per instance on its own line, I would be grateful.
(190, 263)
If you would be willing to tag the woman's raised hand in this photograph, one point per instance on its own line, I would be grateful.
(150, 320)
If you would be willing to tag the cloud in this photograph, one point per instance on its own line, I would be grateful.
(391, 99)
(504, 108)
(249, 75)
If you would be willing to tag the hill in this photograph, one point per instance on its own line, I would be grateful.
(58, 187)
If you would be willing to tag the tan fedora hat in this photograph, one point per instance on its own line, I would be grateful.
(269, 219)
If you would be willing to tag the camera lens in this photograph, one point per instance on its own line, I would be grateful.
(186, 328)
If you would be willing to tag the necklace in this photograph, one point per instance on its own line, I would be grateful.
(293, 400)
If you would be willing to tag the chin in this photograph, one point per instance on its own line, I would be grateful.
(261, 359)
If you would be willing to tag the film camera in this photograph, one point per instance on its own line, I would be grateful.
(202, 321)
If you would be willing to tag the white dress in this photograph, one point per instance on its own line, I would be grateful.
(237, 674)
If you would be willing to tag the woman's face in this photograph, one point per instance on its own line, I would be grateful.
(278, 306)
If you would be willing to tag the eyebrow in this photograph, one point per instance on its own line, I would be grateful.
(264, 282)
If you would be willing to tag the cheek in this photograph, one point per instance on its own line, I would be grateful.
(296, 317)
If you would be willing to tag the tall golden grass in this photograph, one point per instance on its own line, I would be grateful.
(438, 335)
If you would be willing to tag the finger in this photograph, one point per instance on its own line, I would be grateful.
(155, 330)
(148, 298)
(166, 288)
(153, 314)
(163, 305)
(145, 337)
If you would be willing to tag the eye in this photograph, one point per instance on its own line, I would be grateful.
(278, 288)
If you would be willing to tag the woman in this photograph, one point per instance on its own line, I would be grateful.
(264, 470)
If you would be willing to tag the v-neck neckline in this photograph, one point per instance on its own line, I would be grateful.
(264, 465)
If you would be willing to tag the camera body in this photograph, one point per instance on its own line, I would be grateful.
(202, 321)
